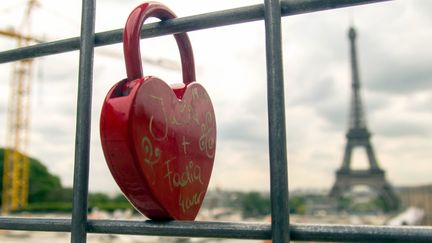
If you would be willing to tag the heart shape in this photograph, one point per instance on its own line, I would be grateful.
(159, 143)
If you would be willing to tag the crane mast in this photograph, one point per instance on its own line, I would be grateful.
(16, 162)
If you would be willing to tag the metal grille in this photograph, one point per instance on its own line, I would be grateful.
(280, 229)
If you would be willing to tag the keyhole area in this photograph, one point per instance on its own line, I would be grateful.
(359, 159)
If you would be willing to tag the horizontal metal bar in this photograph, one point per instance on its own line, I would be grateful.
(35, 224)
(183, 24)
(360, 233)
(183, 229)
(299, 232)
(169, 228)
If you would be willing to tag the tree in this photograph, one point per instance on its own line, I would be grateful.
(46, 193)
(254, 204)
(41, 182)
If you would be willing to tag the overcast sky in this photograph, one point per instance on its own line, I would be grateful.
(395, 59)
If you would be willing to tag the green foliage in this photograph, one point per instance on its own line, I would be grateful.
(120, 198)
(103, 202)
(380, 203)
(49, 207)
(60, 195)
(374, 204)
(41, 182)
(111, 206)
(95, 198)
(46, 193)
(297, 205)
(254, 204)
(343, 203)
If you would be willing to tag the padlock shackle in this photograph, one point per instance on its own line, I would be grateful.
(131, 41)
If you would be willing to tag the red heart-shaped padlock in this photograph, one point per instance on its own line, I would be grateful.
(159, 141)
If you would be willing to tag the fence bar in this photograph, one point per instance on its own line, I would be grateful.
(299, 232)
(83, 124)
(363, 233)
(183, 229)
(35, 224)
(183, 24)
(276, 118)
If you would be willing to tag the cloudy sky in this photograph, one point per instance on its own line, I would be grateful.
(395, 57)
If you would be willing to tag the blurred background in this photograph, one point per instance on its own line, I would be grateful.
(394, 60)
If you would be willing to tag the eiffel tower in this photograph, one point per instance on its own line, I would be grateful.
(359, 136)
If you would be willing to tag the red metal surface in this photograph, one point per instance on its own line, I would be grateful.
(131, 41)
(159, 141)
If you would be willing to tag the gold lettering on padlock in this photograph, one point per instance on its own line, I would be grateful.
(190, 114)
(184, 144)
(187, 203)
(152, 154)
(195, 94)
(207, 141)
(190, 174)
(160, 101)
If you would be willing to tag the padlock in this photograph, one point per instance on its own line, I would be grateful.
(159, 141)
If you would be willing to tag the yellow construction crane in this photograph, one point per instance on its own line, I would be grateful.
(16, 161)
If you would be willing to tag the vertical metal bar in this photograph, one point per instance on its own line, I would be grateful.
(276, 117)
(82, 138)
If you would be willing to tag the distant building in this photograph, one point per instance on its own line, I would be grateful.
(419, 197)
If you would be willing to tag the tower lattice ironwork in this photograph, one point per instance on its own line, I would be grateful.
(359, 136)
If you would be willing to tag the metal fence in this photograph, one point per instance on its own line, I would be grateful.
(280, 229)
